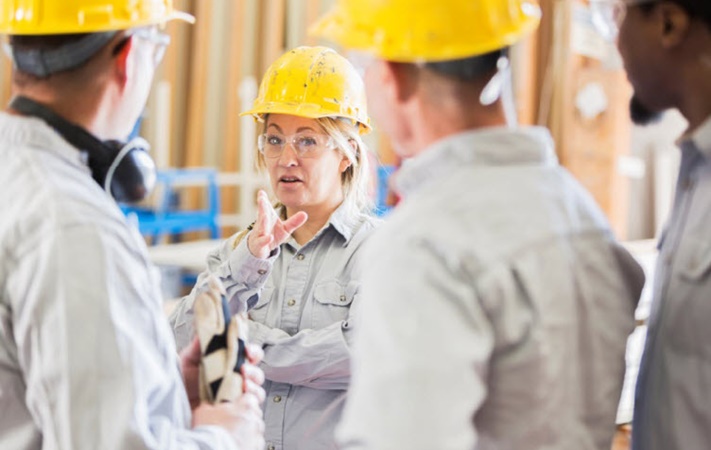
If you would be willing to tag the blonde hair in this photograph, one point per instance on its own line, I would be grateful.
(355, 180)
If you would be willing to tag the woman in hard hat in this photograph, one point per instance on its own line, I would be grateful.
(296, 268)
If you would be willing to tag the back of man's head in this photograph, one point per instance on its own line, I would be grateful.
(40, 57)
(48, 37)
(469, 69)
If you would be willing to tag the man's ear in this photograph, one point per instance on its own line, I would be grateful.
(404, 77)
(398, 81)
(121, 61)
(675, 23)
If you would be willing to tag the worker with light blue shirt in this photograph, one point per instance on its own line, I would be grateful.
(666, 48)
(495, 302)
(297, 268)
(87, 359)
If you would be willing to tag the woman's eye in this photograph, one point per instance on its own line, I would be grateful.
(274, 140)
(307, 141)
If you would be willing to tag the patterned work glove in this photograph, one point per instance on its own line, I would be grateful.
(222, 345)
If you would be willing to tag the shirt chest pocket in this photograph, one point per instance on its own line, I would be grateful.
(259, 311)
(332, 302)
(689, 301)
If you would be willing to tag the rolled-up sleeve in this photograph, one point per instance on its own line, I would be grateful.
(242, 274)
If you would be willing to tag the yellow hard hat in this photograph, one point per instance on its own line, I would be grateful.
(38, 17)
(428, 30)
(312, 82)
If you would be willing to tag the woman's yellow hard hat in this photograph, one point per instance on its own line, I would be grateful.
(312, 82)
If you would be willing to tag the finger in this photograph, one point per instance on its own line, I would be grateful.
(191, 354)
(294, 222)
(250, 402)
(254, 353)
(270, 216)
(253, 373)
(263, 240)
(260, 225)
(255, 389)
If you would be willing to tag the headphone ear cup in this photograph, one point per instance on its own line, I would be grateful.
(132, 174)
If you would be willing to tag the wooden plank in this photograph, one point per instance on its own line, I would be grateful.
(273, 22)
(235, 72)
(197, 97)
(5, 80)
(526, 84)
(591, 146)
(313, 11)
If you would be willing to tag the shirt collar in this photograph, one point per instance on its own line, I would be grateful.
(500, 146)
(700, 139)
(344, 220)
(34, 132)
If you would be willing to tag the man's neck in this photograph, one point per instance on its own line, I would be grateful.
(446, 120)
(81, 109)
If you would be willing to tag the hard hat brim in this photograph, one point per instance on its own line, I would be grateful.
(275, 108)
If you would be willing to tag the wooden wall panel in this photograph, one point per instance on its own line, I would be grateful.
(197, 93)
(590, 146)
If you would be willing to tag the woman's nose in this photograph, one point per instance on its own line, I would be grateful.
(288, 156)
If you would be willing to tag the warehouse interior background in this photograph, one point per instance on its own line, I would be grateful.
(566, 77)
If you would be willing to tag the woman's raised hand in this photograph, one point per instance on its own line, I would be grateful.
(269, 230)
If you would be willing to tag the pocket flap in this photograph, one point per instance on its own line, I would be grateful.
(265, 296)
(333, 293)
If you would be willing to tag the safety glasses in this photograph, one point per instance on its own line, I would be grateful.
(151, 35)
(306, 144)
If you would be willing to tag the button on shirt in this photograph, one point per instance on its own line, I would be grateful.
(301, 302)
(673, 399)
(496, 306)
(87, 360)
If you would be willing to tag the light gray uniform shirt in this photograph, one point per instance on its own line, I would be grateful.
(300, 303)
(673, 399)
(87, 360)
(496, 306)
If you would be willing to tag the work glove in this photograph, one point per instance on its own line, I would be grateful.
(222, 345)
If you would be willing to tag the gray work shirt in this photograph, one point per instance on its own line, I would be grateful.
(496, 306)
(87, 360)
(673, 398)
(300, 301)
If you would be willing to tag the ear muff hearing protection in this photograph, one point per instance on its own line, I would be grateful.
(124, 170)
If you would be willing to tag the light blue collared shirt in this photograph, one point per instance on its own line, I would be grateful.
(302, 301)
(673, 398)
(87, 360)
(496, 306)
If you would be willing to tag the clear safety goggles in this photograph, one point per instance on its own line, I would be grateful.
(306, 144)
(151, 35)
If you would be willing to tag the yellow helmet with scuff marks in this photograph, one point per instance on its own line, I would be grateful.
(312, 82)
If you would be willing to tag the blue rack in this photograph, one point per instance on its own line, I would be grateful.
(166, 219)
(384, 173)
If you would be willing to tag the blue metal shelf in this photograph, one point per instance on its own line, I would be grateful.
(166, 218)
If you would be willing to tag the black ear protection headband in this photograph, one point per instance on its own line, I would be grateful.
(124, 170)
